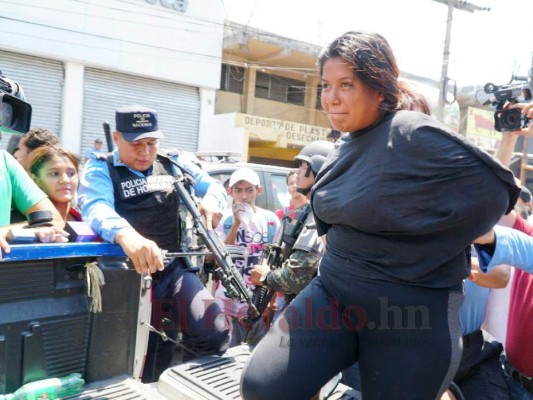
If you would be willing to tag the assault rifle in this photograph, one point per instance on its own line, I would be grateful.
(273, 257)
(274, 254)
(293, 231)
(230, 278)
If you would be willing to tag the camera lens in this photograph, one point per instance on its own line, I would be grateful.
(508, 120)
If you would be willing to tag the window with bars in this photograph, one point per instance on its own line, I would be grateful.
(232, 79)
(280, 89)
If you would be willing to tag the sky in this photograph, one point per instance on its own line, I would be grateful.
(486, 46)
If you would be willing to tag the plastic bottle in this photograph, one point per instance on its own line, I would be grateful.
(246, 213)
(48, 389)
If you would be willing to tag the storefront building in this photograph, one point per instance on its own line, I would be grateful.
(79, 61)
(268, 106)
(218, 86)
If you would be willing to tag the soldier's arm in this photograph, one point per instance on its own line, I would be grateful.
(294, 274)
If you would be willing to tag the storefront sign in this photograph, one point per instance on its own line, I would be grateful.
(178, 5)
(283, 133)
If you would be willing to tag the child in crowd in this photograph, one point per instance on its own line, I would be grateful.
(55, 170)
(251, 227)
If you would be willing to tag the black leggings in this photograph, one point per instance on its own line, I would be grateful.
(405, 338)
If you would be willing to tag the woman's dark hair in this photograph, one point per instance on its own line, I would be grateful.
(45, 153)
(373, 63)
(412, 100)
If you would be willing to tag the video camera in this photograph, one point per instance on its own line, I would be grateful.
(508, 119)
(15, 113)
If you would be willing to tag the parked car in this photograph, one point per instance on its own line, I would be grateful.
(273, 179)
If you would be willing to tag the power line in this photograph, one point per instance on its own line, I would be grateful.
(266, 66)
(252, 13)
(208, 57)
(214, 58)
(97, 36)
(141, 13)
(201, 22)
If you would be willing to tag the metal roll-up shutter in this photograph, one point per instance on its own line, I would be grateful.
(178, 107)
(42, 82)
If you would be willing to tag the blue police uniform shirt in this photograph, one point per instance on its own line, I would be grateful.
(92, 153)
(97, 200)
(474, 307)
(512, 248)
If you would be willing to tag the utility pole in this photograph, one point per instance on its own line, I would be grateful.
(444, 79)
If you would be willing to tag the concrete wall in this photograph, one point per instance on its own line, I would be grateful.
(221, 135)
(141, 38)
(228, 102)
(147, 38)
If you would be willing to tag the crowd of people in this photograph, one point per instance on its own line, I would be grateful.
(379, 277)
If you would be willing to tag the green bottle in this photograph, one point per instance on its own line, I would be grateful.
(48, 389)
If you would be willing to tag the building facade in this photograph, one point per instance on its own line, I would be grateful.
(218, 86)
(79, 61)
(268, 106)
(268, 102)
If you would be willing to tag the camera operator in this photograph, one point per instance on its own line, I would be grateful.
(508, 101)
(17, 189)
(508, 143)
(519, 352)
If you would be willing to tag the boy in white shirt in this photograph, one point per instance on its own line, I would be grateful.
(251, 227)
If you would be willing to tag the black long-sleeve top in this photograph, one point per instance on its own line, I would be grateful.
(402, 200)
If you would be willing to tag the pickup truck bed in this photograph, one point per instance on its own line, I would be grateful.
(47, 330)
(209, 378)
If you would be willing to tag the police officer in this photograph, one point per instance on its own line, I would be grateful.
(128, 197)
(95, 150)
(302, 246)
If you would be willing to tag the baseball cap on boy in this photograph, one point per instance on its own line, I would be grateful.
(244, 174)
(137, 122)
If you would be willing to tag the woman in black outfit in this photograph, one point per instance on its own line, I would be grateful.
(400, 199)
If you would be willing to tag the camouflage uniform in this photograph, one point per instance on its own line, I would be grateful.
(302, 250)
(302, 264)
